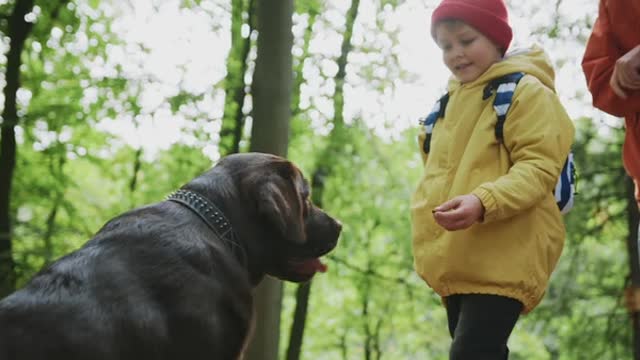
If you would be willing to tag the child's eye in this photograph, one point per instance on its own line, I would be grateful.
(467, 41)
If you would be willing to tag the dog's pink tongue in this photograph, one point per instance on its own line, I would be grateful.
(319, 265)
(313, 265)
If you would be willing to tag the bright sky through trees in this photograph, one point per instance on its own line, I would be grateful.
(168, 50)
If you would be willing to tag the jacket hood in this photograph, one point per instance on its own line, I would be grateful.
(532, 61)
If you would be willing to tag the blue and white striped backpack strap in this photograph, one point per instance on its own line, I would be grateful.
(430, 121)
(565, 190)
(505, 86)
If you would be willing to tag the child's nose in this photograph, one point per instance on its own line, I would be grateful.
(457, 52)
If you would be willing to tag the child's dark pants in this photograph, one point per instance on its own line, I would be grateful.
(480, 325)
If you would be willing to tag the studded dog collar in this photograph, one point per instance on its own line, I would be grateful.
(213, 217)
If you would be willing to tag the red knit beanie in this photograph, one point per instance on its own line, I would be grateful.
(487, 16)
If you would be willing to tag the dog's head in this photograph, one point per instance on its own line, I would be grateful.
(286, 233)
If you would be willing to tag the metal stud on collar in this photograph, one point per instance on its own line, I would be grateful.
(212, 216)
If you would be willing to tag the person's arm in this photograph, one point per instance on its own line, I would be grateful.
(538, 134)
(598, 63)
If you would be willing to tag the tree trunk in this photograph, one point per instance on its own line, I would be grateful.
(368, 333)
(345, 49)
(634, 262)
(53, 213)
(299, 63)
(233, 118)
(51, 225)
(303, 291)
(18, 30)
(344, 348)
(323, 170)
(137, 164)
(271, 92)
(272, 78)
(299, 320)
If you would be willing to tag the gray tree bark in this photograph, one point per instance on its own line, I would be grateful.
(271, 95)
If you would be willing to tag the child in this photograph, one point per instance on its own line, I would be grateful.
(487, 232)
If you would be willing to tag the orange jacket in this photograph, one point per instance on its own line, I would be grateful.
(615, 32)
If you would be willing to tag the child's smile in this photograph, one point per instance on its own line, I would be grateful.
(462, 67)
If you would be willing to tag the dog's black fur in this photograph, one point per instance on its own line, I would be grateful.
(157, 283)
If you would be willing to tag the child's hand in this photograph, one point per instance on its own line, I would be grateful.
(459, 213)
(626, 73)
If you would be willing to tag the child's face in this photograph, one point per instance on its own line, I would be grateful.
(465, 51)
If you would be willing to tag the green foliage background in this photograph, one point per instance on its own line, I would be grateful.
(72, 176)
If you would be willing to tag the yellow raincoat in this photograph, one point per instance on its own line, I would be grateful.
(514, 250)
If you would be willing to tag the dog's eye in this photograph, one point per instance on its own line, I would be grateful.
(306, 206)
(305, 194)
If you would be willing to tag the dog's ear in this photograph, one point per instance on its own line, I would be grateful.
(282, 211)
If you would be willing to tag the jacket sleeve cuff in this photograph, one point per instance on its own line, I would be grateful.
(491, 212)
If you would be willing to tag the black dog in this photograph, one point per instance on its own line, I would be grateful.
(174, 280)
